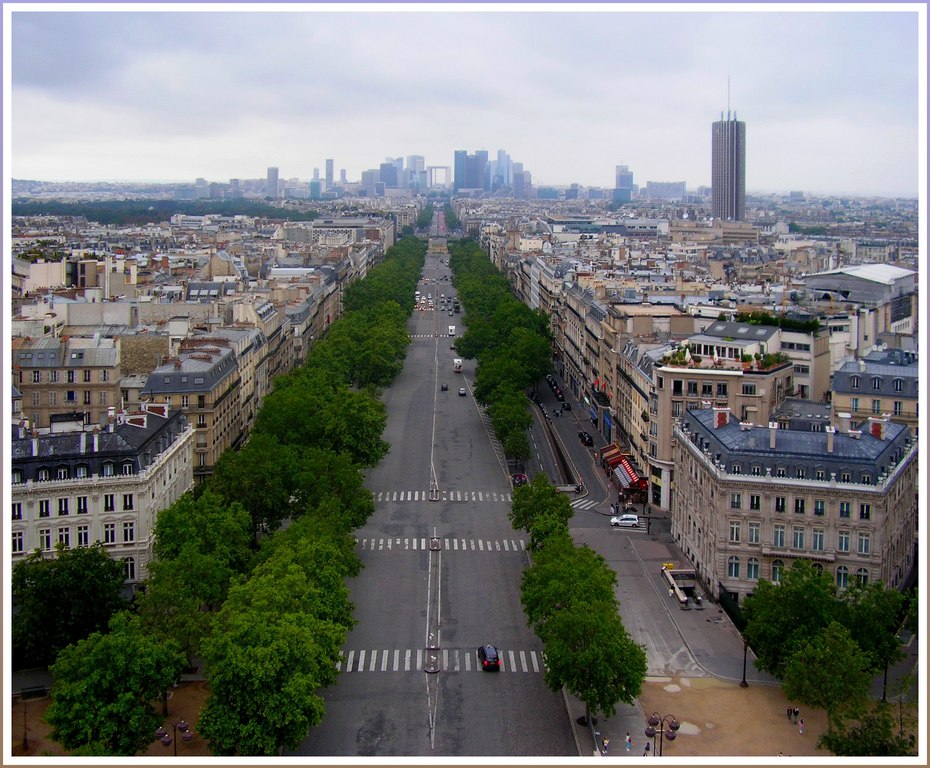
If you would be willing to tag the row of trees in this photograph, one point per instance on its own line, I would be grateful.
(568, 595)
(826, 646)
(263, 605)
(510, 341)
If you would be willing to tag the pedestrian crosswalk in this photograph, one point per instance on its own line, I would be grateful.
(445, 495)
(451, 660)
(447, 544)
(584, 503)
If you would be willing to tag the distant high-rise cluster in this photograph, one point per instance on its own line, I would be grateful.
(728, 169)
(623, 189)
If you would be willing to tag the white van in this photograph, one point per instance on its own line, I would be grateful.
(452, 330)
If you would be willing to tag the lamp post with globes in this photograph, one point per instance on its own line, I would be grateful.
(657, 725)
(181, 725)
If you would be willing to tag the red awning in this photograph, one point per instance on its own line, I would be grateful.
(634, 478)
(611, 453)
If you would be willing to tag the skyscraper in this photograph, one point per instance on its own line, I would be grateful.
(728, 169)
(271, 183)
(329, 174)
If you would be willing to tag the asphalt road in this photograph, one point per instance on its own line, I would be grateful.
(441, 576)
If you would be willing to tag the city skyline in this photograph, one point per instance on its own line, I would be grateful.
(223, 94)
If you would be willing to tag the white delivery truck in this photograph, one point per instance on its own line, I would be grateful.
(452, 330)
(457, 364)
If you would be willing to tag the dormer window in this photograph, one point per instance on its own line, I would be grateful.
(855, 382)
(876, 382)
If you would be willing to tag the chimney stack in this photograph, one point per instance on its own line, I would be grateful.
(877, 426)
(843, 419)
(721, 417)
(831, 431)
(773, 428)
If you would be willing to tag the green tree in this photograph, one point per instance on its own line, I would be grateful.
(589, 652)
(829, 672)
(872, 736)
(536, 499)
(873, 616)
(60, 600)
(779, 617)
(104, 687)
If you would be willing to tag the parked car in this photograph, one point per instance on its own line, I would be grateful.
(489, 658)
(586, 438)
(566, 406)
(625, 521)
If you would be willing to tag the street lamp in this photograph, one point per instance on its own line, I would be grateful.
(656, 720)
(181, 725)
(743, 683)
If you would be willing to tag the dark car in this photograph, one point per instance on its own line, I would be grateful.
(519, 479)
(566, 406)
(444, 387)
(489, 658)
(586, 438)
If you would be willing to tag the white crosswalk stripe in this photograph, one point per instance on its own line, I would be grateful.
(480, 497)
(452, 545)
(452, 660)
(584, 503)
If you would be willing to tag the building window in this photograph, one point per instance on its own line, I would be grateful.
(798, 537)
(103, 398)
(778, 536)
(44, 507)
(817, 539)
(737, 469)
(53, 377)
(854, 404)
(201, 421)
(799, 506)
(844, 508)
(86, 376)
(754, 531)
(44, 475)
(756, 470)
(865, 511)
(817, 568)
(845, 477)
(876, 406)
(780, 472)
(800, 473)
(721, 389)
(53, 398)
(864, 543)
(777, 567)
(108, 469)
(16, 476)
(108, 503)
(899, 385)
(692, 389)
(677, 408)
(127, 501)
(130, 568)
(855, 382)
(755, 502)
(677, 388)
(736, 500)
(842, 577)
(62, 506)
(17, 510)
(185, 401)
(83, 535)
(64, 537)
(898, 408)
(127, 467)
(18, 544)
(37, 398)
(201, 401)
(71, 377)
(129, 533)
(752, 569)
(45, 539)
(779, 503)
(36, 377)
(733, 567)
(749, 389)
(820, 474)
(842, 541)
(82, 505)
(734, 531)
(80, 471)
(862, 576)
(866, 479)
(109, 533)
(876, 382)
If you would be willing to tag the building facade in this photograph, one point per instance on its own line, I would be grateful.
(728, 169)
(749, 500)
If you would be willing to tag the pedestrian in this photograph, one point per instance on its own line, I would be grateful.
(646, 750)
(796, 713)
(801, 726)
(604, 742)
(629, 742)
(789, 713)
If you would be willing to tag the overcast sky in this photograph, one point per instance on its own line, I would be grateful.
(830, 99)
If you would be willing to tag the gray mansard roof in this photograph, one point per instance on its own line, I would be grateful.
(192, 373)
(797, 450)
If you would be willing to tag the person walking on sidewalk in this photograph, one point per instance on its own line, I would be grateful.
(796, 713)
(646, 750)
(629, 742)
(801, 726)
(604, 742)
(789, 713)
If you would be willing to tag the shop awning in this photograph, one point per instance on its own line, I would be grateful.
(611, 455)
(635, 480)
(622, 476)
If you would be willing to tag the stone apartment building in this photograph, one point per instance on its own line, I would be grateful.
(883, 383)
(749, 500)
(78, 486)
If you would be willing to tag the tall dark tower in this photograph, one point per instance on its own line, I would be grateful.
(728, 168)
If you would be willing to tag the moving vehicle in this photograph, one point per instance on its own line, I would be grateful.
(519, 479)
(452, 330)
(625, 521)
(462, 392)
(444, 387)
(457, 364)
(489, 658)
(586, 438)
